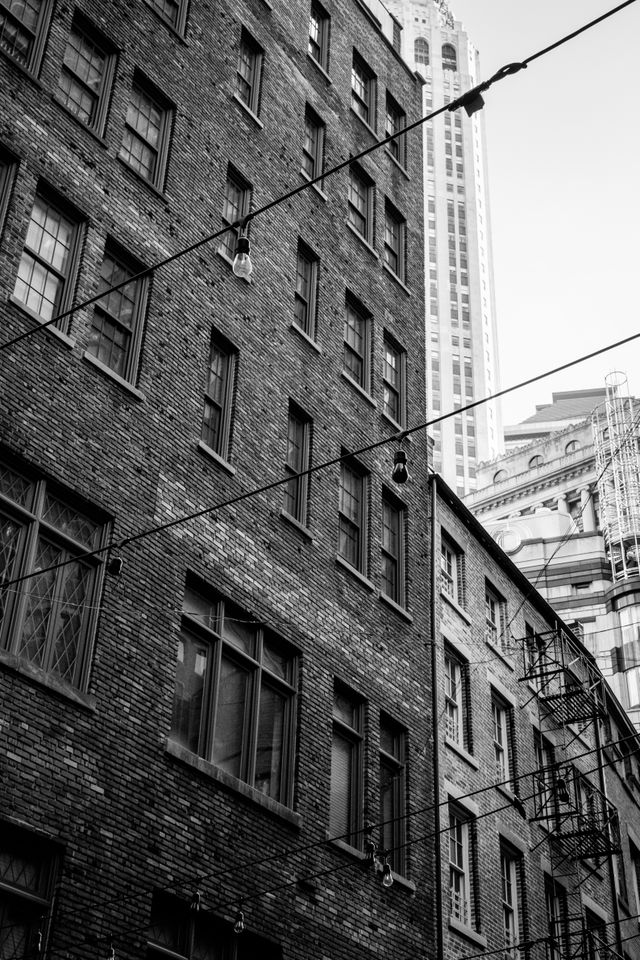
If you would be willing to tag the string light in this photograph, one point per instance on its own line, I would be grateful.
(238, 926)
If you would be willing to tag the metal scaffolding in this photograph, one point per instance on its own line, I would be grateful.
(615, 437)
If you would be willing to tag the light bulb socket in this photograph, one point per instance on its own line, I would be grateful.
(243, 245)
(114, 567)
(400, 473)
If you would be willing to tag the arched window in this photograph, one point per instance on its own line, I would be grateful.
(572, 446)
(536, 461)
(449, 58)
(499, 475)
(421, 51)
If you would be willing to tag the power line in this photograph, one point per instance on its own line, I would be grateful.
(468, 99)
(395, 438)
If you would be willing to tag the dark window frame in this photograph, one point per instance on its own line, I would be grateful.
(38, 37)
(87, 31)
(393, 792)
(364, 83)
(395, 121)
(236, 181)
(361, 203)
(225, 402)
(394, 386)
(396, 561)
(353, 735)
(296, 491)
(395, 239)
(154, 97)
(318, 46)
(357, 340)
(353, 526)
(313, 145)
(249, 83)
(306, 302)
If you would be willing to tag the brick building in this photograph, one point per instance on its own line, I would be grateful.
(200, 717)
(539, 766)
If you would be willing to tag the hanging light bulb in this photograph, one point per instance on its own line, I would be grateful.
(196, 901)
(242, 266)
(400, 473)
(111, 954)
(238, 926)
(387, 877)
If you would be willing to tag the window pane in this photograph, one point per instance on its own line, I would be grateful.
(39, 604)
(9, 539)
(191, 677)
(270, 733)
(230, 717)
(341, 786)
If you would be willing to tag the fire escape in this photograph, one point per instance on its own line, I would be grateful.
(581, 825)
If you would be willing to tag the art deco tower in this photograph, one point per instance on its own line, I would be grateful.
(462, 356)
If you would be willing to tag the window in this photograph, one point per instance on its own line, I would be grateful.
(248, 74)
(396, 120)
(352, 515)
(313, 144)
(49, 620)
(174, 11)
(235, 695)
(393, 549)
(635, 874)
(533, 652)
(27, 876)
(393, 381)
(306, 286)
(462, 899)
(146, 135)
(545, 779)
(421, 51)
(557, 919)
(363, 90)
(509, 868)
(596, 937)
(452, 570)
(394, 240)
(536, 461)
(116, 328)
(449, 58)
(298, 460)
(47, 266)
(360, 203)
(357, 337)
(237, 201)
(495, 619)
(179, 933)
(218, 396)
(345, 816)
(85, 78)
(7, 164)
(319, 35)
(502, 724)
(457, 696)
(22, 30)
(393, 777)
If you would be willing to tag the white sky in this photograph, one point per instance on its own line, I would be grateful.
(564, 187)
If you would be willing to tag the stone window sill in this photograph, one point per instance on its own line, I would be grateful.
(467, 932)
(365, 243)
(364, 123)
(356, 386)
(319, 68)
(65, 338)
(506, 659)
(355, 573)
(396, 279)
(454, 606)
(93, 133)
(306, 337)
(177, 34)
(237, 786)
(314, 186)
(209, 452)
(400, 166)
(50, 682)
(461, 752)
(113, 376)
(254, 116)
(150, 186)
(400, 610)
(296, 523)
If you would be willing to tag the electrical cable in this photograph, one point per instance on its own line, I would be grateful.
(465, 100)
(394, 438)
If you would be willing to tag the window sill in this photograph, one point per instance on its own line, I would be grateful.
(93, 133)
(363, 241)
(99, 365)
(150, 186)
(254, 116)
(454, 606)
(364, 124)
(210, 452)
(65, 338)
(401, 168)
(467, 932)
(43, 679)
(347, 848)
(314, 186)
(506, 659)
(397, 427)
(299, 526)
(179, 36)
(355, 573)
(461, 752)
(394, 605)
(363, 393)
(306, 337)
(319, 68)
(229, 263)
(396, 278)
(23, 70)
(506, 792)
(226, 780)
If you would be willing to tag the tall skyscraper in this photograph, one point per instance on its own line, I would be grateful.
(462, 355)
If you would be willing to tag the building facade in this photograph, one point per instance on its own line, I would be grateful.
(191, 708)
(554, 502)
(462, 351)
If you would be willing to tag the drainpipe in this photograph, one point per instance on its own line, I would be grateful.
(435, 727)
